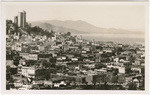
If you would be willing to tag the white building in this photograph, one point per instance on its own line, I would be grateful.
(22, 19)
(29, 56)
(25, 55)
(136, 69)
(74, 59)
(9, 62)
(17, 47)
(28, 71)
(121, 70)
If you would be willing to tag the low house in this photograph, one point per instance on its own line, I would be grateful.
(34, 49)
(62, 83)
(86, 48)
(136, 69)
(33, 56)
(18, 83)
(121, 78)
(139, 52)
(137, 62)
(102, 70)
(44, 57)
(121, 69)
(89, 79)
(9, 62)
(41, 48)
(49, 83)
(116, 59)
(107, 51)
(28, 71)
(17, 47)
(74, 59)
(90, 65)
(136, 81)
(79, 80)
(100, 78)
(25, 55)
(25, 48)
(13, 70)
(22, 62)
(128, 79)
(84, 52)
(126, 53)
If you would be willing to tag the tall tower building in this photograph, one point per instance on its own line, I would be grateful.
(16, 20)
(22, 19)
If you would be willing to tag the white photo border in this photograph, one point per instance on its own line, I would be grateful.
(3, 52)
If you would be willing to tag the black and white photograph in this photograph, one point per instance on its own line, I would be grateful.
(75, 46)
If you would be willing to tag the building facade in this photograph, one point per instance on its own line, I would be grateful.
(22, 19)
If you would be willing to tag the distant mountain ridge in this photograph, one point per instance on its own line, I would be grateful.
(79, 27)
(49, 27)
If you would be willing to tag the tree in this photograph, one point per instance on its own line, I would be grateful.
(132, 59)
(118, 50)
(8, 73)
(16, 62)
(115, 71)
(35, 86)
(128, 70)
(132, 86)
(99, 66)
(45, 63)
(47, 74)
(114, 79)
(105, 86)
(53, 61)
(68, 34)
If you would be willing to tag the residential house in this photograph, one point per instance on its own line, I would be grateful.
(28, 71)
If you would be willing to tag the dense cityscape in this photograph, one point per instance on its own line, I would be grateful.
(40, 59)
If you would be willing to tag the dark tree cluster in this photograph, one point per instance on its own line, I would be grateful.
(39, 31)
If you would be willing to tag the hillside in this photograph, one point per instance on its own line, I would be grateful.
(49, 27)
(79, 27)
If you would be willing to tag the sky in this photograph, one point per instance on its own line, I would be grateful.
(130, 17)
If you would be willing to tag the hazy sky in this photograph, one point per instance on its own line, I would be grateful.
(130, 17)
